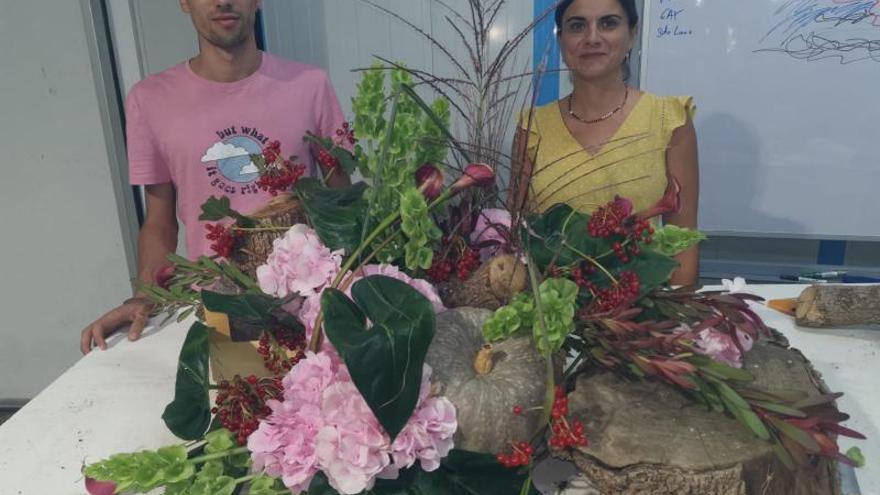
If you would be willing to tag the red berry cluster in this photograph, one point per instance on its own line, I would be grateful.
(565, 434)
(279, 178)
(608, 220)
(441, 269)
(327, 160)
(624, 292)
(345, 135)
(580, 273)
(274, 347)
(519, 455)
(241, 403)
(445, 262)
(622, 251)
(272, 152)
(467, 263)
(223, 238)
(642, 230)
(279, 174)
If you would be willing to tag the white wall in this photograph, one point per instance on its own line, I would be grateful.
(62, 259)
(165, 35)
(345, 35)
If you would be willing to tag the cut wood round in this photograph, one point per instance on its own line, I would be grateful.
(838, 305)
(281, 213)
(648, 438)
(490, 287)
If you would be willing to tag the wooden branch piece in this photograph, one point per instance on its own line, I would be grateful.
(822, 306)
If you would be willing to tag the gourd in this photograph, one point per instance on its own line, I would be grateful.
(485, 382)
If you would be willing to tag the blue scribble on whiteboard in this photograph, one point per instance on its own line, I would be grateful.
(848, 30)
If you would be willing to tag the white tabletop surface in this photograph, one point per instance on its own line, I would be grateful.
(112, 402)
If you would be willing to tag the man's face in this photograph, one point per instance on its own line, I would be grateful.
(223, 23)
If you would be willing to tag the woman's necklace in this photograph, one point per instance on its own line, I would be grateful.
(600, 119)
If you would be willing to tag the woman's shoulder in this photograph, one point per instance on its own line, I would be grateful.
(540, 117)
(668, 113)
(683, 106)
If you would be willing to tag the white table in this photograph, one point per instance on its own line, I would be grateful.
(111, 402)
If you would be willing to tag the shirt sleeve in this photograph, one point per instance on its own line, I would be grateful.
(676, 112)
(145, 163)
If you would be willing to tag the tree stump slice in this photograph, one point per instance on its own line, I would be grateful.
(491, 286)
(822, 306)
(281, 212)
(648, 438)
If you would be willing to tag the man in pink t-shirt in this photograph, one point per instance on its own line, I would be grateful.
(192, 128)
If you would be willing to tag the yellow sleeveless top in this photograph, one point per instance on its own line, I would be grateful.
(632, 164)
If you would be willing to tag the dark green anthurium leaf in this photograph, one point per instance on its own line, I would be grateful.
(385, 360)
(346, 159)
(471, 472)
(189, 414)
(559, 234)
(336, 214)
(653, 268)
(255, 309)
(461, 473)
(215, 209)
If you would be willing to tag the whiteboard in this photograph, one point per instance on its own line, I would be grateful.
(788, 110)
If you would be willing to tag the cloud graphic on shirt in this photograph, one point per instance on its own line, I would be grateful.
(250, 168)
(221, 151)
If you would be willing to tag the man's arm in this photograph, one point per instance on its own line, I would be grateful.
(157, 238)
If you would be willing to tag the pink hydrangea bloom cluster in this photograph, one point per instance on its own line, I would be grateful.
(299, 264)
(487, 229)
(324, 424)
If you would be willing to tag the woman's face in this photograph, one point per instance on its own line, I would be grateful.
(595, 38)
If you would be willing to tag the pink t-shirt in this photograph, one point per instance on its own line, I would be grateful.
(198, 134)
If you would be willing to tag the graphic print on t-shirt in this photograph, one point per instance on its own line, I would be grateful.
(228, 161)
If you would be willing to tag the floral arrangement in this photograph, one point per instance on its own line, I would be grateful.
(347, 305)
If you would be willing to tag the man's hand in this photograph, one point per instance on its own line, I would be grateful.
(135, 311)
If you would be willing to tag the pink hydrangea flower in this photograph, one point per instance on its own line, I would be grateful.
(285, 446)
(487, 229)
(427, 437)
(721, 347)
(324, 424)
(299, 264)
(352, 448)
(311, 376)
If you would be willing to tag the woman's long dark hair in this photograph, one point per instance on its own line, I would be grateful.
(629, 6)
(632, 16)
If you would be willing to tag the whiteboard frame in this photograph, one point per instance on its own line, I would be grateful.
(647, 9)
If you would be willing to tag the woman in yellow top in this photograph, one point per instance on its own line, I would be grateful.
(605, 138)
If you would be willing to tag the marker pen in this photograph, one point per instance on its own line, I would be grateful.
(823, 274)
(797, 278)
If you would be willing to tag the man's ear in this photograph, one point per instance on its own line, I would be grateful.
(184, 6)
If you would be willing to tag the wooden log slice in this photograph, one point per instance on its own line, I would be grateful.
(493, 284)
(838, 305)
(648, 438)
(254, 247)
